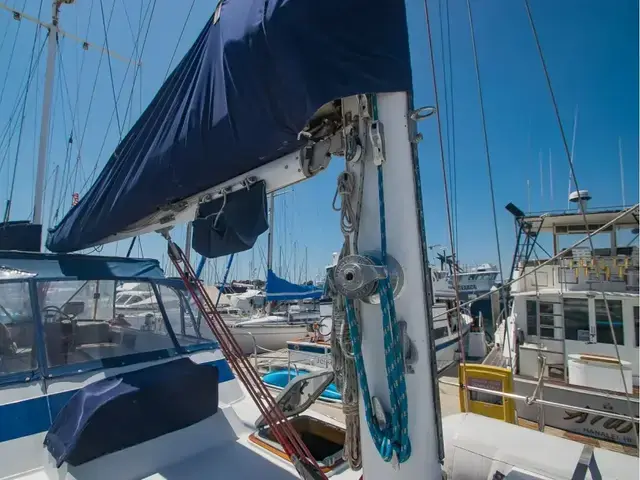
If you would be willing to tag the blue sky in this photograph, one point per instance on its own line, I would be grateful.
(591, 48)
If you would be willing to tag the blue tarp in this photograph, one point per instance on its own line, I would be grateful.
(131, 408)
(237, 100)
(81, 267)
(279, 289)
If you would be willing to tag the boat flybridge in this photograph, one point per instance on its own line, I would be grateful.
(577, 310)
(264, 98)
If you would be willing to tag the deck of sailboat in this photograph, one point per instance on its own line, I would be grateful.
(449, 404)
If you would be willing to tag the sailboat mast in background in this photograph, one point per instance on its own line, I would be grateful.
(621, 171)
(573, 149)
(45, 123)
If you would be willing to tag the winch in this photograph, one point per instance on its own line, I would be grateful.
(356, 276)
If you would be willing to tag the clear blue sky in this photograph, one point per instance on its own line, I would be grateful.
(591, 49)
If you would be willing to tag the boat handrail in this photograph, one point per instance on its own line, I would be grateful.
(541, 402)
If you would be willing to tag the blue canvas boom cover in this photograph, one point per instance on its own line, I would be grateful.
(238, 99)
(281, 290)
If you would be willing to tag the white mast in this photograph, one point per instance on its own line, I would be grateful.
(45, 124)
(270, 242)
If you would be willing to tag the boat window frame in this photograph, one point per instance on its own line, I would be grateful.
(564, 318)
(37, 373)
(539, 313)
(636, 324)
(438, 329)
(607, 328)
(44, 370)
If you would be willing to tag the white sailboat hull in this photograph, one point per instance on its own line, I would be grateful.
(263, 338)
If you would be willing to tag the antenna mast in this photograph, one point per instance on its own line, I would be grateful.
(621, 171)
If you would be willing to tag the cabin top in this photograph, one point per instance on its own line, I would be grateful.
(571, 222)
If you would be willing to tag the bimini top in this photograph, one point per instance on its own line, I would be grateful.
(255, 76)
(42, 266)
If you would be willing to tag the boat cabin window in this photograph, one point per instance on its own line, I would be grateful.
(17, 345)
(546, 319)
(636, 321)
(81, 323)
(576, 319)
(181, 318)
(440, 332)
(603, 329)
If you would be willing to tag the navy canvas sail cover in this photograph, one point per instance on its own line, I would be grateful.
(279, 289)
(252, 80)
(231, 224)
(131, 408)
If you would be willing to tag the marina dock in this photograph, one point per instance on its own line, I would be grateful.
(449, 402)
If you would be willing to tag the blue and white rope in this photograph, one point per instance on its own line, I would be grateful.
(392, 440)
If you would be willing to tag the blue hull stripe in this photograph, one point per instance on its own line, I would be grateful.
(31, 416)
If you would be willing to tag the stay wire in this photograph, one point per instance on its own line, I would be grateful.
(22, 117)
(486, 148)
(113, 86)
(444, 175)
(13, 50)
(184, 26)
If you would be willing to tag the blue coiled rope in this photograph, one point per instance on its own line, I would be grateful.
(393, 439)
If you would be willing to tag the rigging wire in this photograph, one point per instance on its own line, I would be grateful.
(95, 166)
(6, 32)
(113, 86)
(10, 129)
(488, 158)
(184, 26)
(137, 70)
(84, 57)
(446, 102)
(23, 115)
(13, 50)
(452, 137)
(78, 165)
(456, 283)
(572, 171)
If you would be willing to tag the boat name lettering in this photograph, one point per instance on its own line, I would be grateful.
(468, 287)
(616, 424)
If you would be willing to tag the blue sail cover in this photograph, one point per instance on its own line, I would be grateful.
(280, 290)
(250, 83)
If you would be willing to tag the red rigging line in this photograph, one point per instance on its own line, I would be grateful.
(286, 435)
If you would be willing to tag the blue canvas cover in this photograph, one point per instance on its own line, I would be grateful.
(237, 100)
(44, 266)
(280, 290)
(231, 224)
(128, 409)
(20, 235)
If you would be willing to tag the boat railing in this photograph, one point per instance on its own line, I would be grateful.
(536, 399)
(619, 273)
